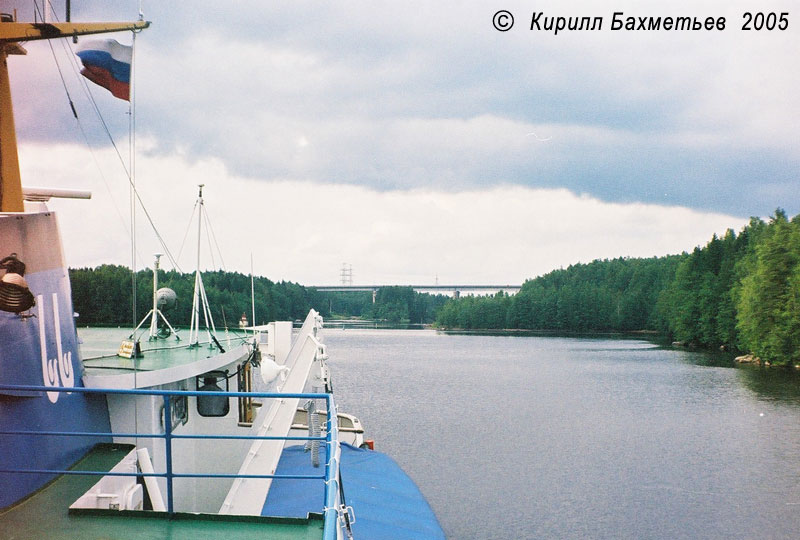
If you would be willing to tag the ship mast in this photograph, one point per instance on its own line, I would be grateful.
(11, 34)
(200, 302)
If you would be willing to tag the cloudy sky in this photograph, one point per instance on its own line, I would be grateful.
(415, 141)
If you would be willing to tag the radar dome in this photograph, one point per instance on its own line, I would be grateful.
(166, 298)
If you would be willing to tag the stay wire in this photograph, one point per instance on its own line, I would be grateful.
(219, 251)
(211, 235)
(71, 58)
(188, 226)
(63, 82)
(70, 55)
(208, 239)
(90, 96)
(131, 176)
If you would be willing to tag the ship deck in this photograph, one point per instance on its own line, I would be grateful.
(167, 357)
(45, 514)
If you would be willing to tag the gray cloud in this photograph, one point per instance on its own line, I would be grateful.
(400, 96)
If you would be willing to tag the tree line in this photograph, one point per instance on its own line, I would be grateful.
(739, 292)
(601, 296)
(104, 296)
(393, 304)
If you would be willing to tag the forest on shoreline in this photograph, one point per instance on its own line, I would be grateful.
(739, 292)
(102, 296)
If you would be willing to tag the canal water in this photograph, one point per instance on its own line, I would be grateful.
(516, 437)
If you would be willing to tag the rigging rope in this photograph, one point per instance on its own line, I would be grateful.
(208, 239)
(63, 82)
(210, 235)
(129, 170)
(129, 173)
(68, 53)
(188, 226)
(214, 236)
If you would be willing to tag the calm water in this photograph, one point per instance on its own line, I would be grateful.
(541, 437)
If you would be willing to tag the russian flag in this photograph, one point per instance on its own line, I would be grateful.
(107, 63)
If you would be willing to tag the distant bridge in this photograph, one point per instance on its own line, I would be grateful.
(455, 290)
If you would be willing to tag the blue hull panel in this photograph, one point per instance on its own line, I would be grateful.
(40, 348)
(386, 502)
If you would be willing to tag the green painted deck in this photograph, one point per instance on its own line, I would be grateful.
(45, 515)
(99, 348)
(151, 360)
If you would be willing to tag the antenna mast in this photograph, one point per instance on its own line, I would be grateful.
(200, 300)
(165, 296)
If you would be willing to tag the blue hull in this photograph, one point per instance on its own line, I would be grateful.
(39, 347)
(387, 503)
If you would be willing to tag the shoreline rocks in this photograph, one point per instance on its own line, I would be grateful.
(751, 359)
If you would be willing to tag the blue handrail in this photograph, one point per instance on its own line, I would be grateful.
(331, 476)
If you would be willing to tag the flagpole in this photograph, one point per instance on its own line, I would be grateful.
(132, 169)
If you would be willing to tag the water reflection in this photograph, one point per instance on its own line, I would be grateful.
(708, 358)
(578, 437)
(773, 383)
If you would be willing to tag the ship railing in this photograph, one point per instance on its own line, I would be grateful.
(331, 478)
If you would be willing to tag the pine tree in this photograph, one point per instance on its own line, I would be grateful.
(769, 307)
